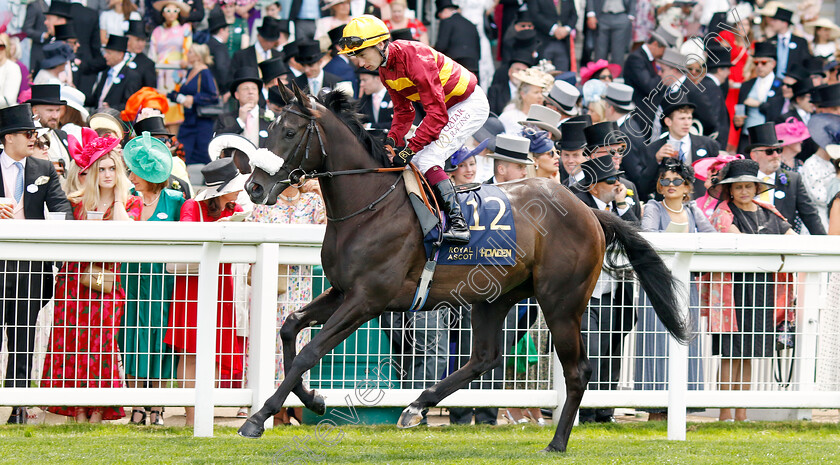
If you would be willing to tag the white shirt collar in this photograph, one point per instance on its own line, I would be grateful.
(647, 52)
(621, 120)
(7, 161)
(772, 176)
(601, 205)
(714, 79)
(512, 87)
(120, 65)
(786, 36)
(676, 86)
(685, 140)
(320, 78)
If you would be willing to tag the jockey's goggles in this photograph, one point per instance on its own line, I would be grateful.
(354, 42)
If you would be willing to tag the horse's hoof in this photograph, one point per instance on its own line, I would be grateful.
(551, 448)
(319, 404)
(410, 418)
(251, 429)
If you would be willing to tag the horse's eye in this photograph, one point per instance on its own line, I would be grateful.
(290, 133)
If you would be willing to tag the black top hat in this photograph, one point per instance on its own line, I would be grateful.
(815, 94)
(136, 29)
(271, 28)
(525, 39)
(16, 118)
(717, 22)
(276, 97)
(290, 50)
(783, 14)
(272, 69)
(586, 118)
(799, 73)
(573, 135)
(524, 56)
(764, 50)
(814, 66)
(718, 56)
(117, 43)
(523, 16)
(805, 86)
(402, 34)
(763, 135)
(65, 31)
(55, 54)
(216, 21)
(153, 125)
(309, 51)
(739, 170)
(335, 34)
(597, 169)
(46, 94)
(58, 8)
(441, 5)
(829, 96)
(603, 134)
(245, 74)
(674, 101)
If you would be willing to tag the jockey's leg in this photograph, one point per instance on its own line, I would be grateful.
(465, 119)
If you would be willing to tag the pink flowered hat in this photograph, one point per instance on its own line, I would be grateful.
(703, 166)
(792, 131)
(91, 148)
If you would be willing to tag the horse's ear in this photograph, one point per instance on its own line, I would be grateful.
(287, 94)
(302, 100)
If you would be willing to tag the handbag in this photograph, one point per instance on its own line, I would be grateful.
(209, 111)
(99, 279)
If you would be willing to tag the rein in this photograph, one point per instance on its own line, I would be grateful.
(312, 125)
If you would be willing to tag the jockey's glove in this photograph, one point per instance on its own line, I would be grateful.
(390, 141)
(402, 156)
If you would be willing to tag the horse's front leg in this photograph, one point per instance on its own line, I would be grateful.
(353, 312)
(315, 313)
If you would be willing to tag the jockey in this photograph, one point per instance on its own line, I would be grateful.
(455, 105)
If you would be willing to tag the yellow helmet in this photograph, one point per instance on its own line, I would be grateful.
(362, 32)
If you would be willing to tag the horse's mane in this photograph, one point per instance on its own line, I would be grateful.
(346, 109)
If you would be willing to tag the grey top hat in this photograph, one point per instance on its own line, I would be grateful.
(620, 96)
(565, 96)
(664, 36)
(544, 118)
(513, 149)
(673, 58)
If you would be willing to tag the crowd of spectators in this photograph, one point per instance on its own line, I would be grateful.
(685, 116)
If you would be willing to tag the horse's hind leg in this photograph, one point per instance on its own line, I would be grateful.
(353, 312)
(487, 321)
(562, 315)
(315, 313)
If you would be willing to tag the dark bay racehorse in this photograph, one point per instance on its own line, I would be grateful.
(373, 256)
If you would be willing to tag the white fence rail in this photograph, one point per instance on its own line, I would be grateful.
(266, 246)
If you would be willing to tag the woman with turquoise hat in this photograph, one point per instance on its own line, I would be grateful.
(147, 360)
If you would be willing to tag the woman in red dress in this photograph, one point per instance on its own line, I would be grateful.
(740, 56)
(89, 298)
(216, 203)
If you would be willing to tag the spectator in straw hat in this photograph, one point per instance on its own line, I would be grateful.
(825, 34)
(340, 15)
(532, 84)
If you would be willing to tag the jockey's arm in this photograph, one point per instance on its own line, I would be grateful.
(403, 116)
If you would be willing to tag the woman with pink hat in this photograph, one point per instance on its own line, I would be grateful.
(601, 70)
(89, 297)
(792, 133)
(705, 170)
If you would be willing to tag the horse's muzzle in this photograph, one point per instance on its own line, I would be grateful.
(256, 191)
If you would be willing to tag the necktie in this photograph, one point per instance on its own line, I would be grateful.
(249, 128)
(783, 52)
(18, 181)
(682, 151)
(765, 196)
(107, 87)
(314, 87)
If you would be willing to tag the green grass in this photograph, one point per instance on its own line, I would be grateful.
(643, 443)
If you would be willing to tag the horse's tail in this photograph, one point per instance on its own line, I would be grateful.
(661, 287)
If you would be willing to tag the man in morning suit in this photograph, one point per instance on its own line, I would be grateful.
(314, 78)
(789, 195)
(640, 72)
(268, 38)
(47, 105)
(340, 64)
(219, 34)
(612, 21)
(375, 101)
(249, 119)
(554, 21)
(791, 50)
(762, 95)
(25, 286)
(117, 82)
(457, 36)
(137, 60)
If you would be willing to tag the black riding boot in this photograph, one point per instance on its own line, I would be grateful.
(458, 231)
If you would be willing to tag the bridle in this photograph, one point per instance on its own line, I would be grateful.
(297, 176)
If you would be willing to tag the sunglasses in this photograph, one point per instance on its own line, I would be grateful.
(667, 182)
(29, 133)
(355, 42)
(770, 152)
(42, 144)
(165, 139)
(605, 76)
(762, 62)
(171, 10)
(610, 180)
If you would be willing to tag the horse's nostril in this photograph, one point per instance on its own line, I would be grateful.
(255, 189)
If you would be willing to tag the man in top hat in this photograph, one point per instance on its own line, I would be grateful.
(274, 73)
(221, 68)
(761, 95)
(718, 67)
(640, 70)
(47, 106)
(265, 47)
(35, 29)
(455, 106)
(250, 118)
(510, 158)
(154, 125)
(544, 118)
(673, 79)
(457, 36)
(55, 66)
(521, 36)
(137, 59)
(564, 98)
(67, 34)
(375, 101)
(314, 78)
(612, 21)
(801, 105)
(571, 152)
(505, 84)
(89, 57)
(789, 195)
(30, 186)
(610, 314)
(829, 99)
(619, 108)
(605, 138)
(791, 50)
(677, 142)
(118, 82)
(340, 64)
(554, 22)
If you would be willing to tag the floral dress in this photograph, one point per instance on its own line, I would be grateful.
(308, 210)
(83, 350)
(169, 46)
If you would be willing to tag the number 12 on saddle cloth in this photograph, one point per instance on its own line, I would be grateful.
(492, 232)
